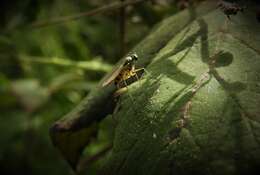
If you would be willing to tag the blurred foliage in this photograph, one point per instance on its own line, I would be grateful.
(45, 72)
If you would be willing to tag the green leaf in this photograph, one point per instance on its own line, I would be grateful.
(197, 108)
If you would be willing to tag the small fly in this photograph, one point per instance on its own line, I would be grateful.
(124, 72)
(123, 76)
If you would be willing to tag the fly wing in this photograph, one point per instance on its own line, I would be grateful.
(112, 76)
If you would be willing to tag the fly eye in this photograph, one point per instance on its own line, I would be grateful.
(135, 57)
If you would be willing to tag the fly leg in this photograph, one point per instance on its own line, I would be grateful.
(117, 108)
(128, 91)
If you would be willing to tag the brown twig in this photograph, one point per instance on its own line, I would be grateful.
(122, 30)
(99, 10)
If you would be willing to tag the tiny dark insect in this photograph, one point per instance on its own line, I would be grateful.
(125, 71)
(230, 8)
